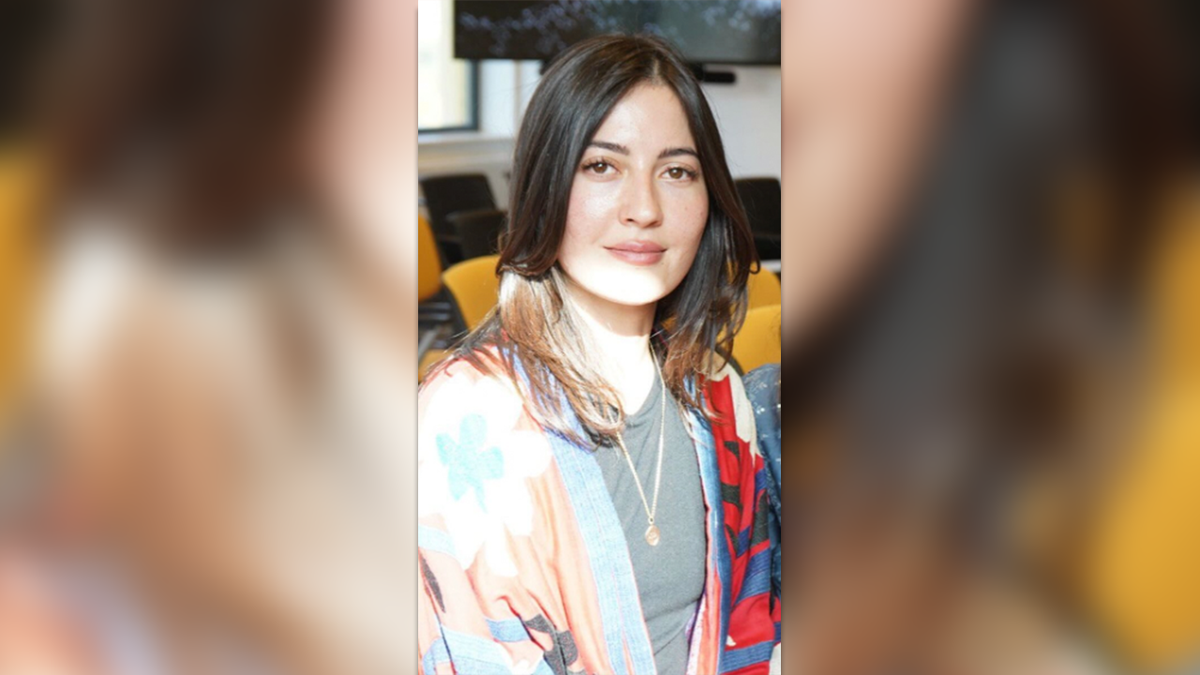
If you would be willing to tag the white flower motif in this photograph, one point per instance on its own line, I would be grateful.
(522, 667)
(743, 411)
(473, 465)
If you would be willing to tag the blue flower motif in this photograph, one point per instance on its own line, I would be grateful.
(468, 463)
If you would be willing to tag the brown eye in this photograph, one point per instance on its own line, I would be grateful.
(679, 173)
(600, 167)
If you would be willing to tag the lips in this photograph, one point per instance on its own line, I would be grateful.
(637, 252)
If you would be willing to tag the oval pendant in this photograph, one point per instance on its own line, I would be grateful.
(652, 535)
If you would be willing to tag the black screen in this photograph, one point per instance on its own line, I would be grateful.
(706, 31)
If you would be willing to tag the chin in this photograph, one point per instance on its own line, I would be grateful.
(634, 301)
(639, 296)
(625, 287)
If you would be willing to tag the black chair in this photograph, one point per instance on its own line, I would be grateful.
(447, 194)
(763, 201)
(478, 231)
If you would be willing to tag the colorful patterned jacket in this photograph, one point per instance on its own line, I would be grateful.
(523, 564)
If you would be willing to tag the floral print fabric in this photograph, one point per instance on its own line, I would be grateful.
(523, 565)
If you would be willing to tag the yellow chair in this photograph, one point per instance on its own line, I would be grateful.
(758, 342)
(763, 289)
(429, 264)
(475, 287)
(428, 360)
(429, 285)
(1142, 574)
(21, 186)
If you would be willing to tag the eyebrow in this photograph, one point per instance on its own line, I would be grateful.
(669, 152)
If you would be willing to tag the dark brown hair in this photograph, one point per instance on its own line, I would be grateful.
(532, 325)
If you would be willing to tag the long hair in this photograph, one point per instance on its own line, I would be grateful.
(532, 324)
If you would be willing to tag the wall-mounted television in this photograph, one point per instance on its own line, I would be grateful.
(737, 32)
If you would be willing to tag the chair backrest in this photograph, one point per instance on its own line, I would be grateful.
(22, 194)
(1139, 575)
(475, 287)
(429, 265)
(763, 289)
(758, 341)
(456, 192)
(762, 199)
(478, 231)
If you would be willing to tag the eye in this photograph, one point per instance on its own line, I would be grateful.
(599, 167)
(680, 173)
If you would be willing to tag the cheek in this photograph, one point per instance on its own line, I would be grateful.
(587, 210)
(583, 227)
(692, 217)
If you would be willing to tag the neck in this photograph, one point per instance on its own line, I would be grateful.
(621, 335)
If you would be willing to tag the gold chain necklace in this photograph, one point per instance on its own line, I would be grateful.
(652, 534)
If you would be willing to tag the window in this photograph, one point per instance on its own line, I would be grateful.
(447, 88)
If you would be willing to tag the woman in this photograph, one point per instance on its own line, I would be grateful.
(588, 476)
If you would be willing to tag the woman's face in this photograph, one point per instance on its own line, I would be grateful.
(638, 203)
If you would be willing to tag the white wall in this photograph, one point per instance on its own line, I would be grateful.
(504, 90)
(748, 113)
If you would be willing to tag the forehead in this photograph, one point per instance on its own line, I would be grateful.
(649, 117)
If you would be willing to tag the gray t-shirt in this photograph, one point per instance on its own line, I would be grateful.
(670, 576)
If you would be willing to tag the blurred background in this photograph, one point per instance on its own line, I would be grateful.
(991, 223)
(218, 218)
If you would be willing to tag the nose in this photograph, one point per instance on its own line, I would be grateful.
(639, 205)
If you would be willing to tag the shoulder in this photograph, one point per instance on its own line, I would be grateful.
(762, 388)
(462, 403)
(459, 386)
(763, 379)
